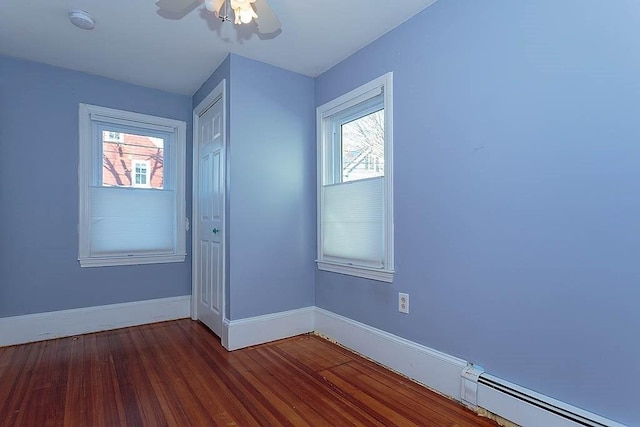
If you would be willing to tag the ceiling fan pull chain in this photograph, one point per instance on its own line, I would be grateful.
(226, 12)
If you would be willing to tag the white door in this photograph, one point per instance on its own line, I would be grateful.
(209, 214)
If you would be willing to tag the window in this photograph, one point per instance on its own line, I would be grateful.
(140, 170)
(355, 182)
(132, 188)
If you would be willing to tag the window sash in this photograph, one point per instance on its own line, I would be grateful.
(333, 125)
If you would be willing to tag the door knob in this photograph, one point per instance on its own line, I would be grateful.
(215, 231)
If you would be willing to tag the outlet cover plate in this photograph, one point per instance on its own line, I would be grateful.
(403, 303)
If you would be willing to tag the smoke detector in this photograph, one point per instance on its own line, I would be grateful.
(82, 19)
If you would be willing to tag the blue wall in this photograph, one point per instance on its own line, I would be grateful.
(39, 271)
(272, 189)
(517, 192)
(222, 72)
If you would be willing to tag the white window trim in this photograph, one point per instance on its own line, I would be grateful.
(88, 113)
(345, 101)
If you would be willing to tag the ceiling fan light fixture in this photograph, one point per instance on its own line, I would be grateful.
(247, 15)
(243, 11)
(82, 19)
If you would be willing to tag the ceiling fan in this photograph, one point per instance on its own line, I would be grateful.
(244, 11)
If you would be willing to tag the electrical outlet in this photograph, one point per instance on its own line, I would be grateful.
(403, 303)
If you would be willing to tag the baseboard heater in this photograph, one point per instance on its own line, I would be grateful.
(529, 408)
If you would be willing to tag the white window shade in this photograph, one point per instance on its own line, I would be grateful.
(353, 223)
(129, 221)
(369, 99)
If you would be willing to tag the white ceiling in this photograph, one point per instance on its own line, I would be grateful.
(132, 42)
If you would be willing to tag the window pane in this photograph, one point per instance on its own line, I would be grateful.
(363, 147)
(119, 156)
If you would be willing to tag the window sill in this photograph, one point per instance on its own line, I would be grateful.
(130, 260)
(353, 270)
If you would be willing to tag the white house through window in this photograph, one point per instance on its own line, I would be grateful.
(112, 136)
(362, 145)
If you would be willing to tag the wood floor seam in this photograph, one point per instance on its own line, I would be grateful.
(177, 373)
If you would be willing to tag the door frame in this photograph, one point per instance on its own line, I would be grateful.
(218, 93)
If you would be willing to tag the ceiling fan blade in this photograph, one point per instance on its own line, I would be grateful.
(175, 6)
(217, 5)
(267, 21)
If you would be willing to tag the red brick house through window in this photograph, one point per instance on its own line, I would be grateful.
(130, 160)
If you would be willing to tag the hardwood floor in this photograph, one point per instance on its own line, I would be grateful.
(177, 374)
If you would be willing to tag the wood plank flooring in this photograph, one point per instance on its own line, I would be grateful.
(177, 374)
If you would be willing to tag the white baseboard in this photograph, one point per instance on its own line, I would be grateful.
(271, 327)
(57, 324)
(443, 373)
(436, 370)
